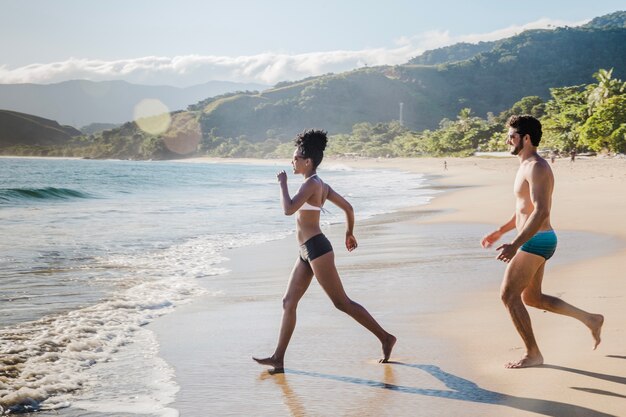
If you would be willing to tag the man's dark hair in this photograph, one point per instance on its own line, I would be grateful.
(311, 144)
(526, 124)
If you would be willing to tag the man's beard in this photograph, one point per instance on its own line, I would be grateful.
(518, 148)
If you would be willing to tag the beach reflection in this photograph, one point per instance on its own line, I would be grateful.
(376, 405)
(291, 400)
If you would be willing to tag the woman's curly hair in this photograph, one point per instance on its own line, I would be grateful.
(311, 144)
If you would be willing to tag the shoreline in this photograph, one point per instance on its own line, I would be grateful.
(584, 200)
(583, 189)
(469, 180)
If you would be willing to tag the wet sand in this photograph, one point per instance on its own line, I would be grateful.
(423, 276)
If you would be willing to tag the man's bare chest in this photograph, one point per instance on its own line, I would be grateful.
(520, 186)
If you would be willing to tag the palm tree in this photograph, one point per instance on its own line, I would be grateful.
(465, 119)
(607, 87)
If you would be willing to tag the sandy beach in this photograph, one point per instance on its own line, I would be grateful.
(423, 275)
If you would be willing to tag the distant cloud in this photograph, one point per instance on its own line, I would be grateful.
(266, 68)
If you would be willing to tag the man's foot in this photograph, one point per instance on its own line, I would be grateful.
(595, 325)
(526, 362)
(387, 348)
(276, 364)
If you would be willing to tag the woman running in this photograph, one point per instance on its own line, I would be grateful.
(316, 253)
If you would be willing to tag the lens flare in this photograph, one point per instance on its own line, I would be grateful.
(184, 134)
(152, 116)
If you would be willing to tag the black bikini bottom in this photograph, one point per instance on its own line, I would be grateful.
(315, 247)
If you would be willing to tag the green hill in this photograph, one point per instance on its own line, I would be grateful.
(528, 64)
(525, 65)
(453, 53)
(488, 78)
(608, 21)
(25, 129)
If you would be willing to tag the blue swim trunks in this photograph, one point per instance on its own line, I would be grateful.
(542, 244)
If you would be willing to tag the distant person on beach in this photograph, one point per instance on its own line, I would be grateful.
(316, 253)
(534, 243)
(572, 155)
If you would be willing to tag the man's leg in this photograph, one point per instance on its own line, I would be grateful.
(517, 277)
(533, 297)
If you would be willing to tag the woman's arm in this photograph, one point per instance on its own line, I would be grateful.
(291, 205)
(343, 204)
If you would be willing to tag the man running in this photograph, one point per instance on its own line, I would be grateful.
(534, 244)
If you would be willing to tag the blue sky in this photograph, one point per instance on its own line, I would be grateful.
(186, 42)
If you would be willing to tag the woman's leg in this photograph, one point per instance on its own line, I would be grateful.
(328, 277)
(301, 276)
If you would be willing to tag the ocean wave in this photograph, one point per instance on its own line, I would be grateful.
(47, 362)
(75, 357)
(71, 358)
(45, 193)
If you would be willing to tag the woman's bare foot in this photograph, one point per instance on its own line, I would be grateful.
(276, 364)
(387, 348)
(526, 362)
(595, 325)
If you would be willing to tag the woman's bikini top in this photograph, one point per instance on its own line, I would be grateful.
(307, 206)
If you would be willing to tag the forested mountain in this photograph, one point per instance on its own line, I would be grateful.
(80, 102)
(613, 20)
(457, 52)
(528, 68)
(527, 64)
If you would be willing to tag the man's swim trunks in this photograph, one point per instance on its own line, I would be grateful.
(542, 244)
(315, 247)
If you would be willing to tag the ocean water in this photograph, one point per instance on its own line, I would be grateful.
(91, 251)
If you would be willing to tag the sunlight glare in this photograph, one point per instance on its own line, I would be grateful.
(152, 116)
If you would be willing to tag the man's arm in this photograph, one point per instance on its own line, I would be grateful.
(494, 236)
